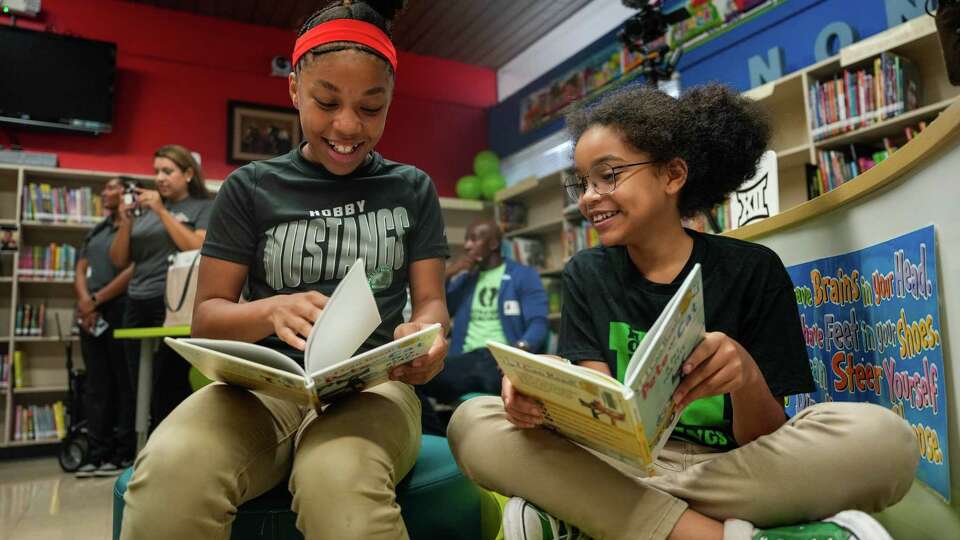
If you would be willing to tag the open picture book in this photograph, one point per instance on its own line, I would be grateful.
(330, 370)
(629, 421)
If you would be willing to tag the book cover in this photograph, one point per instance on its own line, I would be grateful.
(628, 421)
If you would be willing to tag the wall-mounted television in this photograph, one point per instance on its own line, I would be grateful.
(53, 81)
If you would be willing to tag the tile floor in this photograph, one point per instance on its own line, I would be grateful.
(38, 501)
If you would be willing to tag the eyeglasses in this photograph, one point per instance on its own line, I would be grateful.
(603, 178)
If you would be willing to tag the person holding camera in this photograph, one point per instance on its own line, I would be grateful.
(152, 226)
(101, 291)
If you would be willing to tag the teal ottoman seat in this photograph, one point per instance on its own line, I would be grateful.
(436, 501)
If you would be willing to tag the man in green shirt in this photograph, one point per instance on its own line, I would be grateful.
(490, 299)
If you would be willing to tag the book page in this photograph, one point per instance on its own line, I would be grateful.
(372, 367)
(680, 329)
(246, 365)
(579, 403)
(349, 318)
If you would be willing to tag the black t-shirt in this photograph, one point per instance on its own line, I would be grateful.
(299, 228)
(608, 306)
(96, 250)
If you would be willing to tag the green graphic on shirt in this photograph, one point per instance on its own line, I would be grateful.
(702, 422)
(624, 340)
(485, 322)
(381, 278)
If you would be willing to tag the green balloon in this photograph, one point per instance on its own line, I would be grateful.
(468, 187)
(486, 164)
(491, 184)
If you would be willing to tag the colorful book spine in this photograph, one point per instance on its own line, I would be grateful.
(854, 99)
(60, 204)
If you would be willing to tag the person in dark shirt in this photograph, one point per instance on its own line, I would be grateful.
(287, 230)
(644, 160)
(169, 219)
(101, 300)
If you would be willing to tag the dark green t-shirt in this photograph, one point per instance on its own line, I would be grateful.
(608, 306)
(96, 250)
(151, 245)
(299, 228)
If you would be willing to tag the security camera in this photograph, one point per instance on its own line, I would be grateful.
(280, 66)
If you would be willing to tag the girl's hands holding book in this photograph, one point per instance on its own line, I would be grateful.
(718, 365)
(522, 411)
(420, 370)
(293, 315)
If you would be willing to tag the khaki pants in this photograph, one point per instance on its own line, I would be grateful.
(828, 458)
(225, 445)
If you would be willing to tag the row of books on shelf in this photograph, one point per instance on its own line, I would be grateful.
(552, 286)
(528, 251)
(55, 261)
(39, 422)
(30, 319)
(578, 236)
(512, 215)
(59, 204)
(857, 98)
(835, 167)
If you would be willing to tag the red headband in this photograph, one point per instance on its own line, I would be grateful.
(350, 30)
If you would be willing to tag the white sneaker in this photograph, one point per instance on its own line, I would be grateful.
(524, 521)
(107, 469)
(87, 470)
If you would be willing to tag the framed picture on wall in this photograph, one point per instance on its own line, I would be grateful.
(256, 131)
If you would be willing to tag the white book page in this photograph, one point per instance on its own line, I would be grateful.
(251, 352)
(245, 365)
(349, 318)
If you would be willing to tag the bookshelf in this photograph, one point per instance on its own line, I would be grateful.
(44, 356)
(786, 100)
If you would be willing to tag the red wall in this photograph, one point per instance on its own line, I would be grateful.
(176, 72)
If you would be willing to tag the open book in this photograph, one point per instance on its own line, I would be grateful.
(629, 422)
(348, 319)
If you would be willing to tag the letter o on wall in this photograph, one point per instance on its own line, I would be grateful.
(842, 31)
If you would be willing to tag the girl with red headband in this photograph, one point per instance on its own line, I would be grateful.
(284, 231)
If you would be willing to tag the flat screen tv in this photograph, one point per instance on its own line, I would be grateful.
(53, 81)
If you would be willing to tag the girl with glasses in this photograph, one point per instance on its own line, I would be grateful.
(735, 463)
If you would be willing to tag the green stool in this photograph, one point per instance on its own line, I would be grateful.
(435, 499)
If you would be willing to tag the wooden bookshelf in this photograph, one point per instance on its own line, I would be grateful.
(44, 360)
(458, 214)
(40, 389)
(785, 100)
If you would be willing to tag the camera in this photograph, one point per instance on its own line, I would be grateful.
(130, 196)
(644, 34)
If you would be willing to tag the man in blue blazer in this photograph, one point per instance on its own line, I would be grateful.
(489, 298)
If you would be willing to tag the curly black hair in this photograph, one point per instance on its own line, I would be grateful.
(718, 133)
(379, 13)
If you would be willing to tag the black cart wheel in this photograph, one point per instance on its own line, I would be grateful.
(73, 452)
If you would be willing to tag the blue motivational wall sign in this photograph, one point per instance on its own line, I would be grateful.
(871, 322)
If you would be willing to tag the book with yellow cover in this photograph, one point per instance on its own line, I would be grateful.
(629, 421)
(329, 370)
